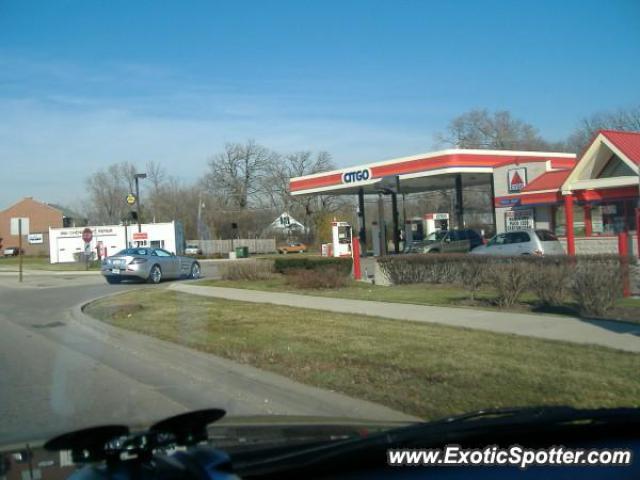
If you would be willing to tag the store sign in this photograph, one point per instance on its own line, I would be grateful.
(516, 179)
(35, 238)
(140, 235)
(436, 216)
(509, 202)
(518, 220)
(356, 176)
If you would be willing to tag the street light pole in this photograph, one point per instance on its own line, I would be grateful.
(138, 176)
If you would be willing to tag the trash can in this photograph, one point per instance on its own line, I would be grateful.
(242, 252)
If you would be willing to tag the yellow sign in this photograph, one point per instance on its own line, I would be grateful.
(131, 199)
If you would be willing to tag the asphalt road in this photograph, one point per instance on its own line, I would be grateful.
(60, 370)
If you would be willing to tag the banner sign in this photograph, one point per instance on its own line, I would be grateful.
(518, 220)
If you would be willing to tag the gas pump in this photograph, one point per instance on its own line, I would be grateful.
(414, 230)
(436, 221)
(341, 239)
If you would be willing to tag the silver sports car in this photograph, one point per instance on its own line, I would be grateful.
(150, 264)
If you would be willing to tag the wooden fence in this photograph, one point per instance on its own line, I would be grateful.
(256, 245)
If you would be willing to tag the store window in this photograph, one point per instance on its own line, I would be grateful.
(560, 221)
(613, 217)
(607, 218)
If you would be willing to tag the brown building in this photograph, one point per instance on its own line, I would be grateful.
(41, 216)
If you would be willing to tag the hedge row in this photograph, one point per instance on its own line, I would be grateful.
(594, 282)
(342, 265)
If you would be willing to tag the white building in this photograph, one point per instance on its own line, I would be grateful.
(66, 244)
(286, 223)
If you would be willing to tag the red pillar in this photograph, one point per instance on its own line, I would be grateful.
(638, 230)
(623, 250)
(568, 215)
(588, 226)
(355, 252)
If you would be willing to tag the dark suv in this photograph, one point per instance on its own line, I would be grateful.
(446, 241)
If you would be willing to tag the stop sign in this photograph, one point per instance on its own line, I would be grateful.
(87, 235)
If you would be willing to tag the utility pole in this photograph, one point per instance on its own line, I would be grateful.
(20, 248)
(200, 216)
(138, 176)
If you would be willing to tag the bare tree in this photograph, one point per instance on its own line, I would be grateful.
(499, 131)
(107, 190)
(282, 169)
(309, 209)
(238, 171)
(626, 119)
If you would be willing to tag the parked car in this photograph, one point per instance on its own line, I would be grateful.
(149, 264)
(12, 252)
(292, 247)
(192, 250)
(446, 241)
(522, 242)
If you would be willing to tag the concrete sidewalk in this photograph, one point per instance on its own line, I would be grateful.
(618, 335)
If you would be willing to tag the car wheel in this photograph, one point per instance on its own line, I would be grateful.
(155, 274)
(195, 270)
(112, 280)
(435, 250)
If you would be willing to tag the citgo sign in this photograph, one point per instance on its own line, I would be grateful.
(356, 176)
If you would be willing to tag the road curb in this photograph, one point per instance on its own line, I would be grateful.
(326, 399)
(47, 273)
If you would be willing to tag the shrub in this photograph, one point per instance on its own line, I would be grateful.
(474, 273)
(510, 276)
(594, 280)
(597, 283)
(329, 277)
(429, 268)
(282, 265)
(246, 270)
(551, 279)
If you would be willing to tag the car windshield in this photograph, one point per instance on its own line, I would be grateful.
(279, 209)
(546, 236)
(133, 251)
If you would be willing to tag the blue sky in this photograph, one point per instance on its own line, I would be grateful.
(86, 83)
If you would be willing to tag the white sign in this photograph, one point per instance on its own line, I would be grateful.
(516, 179)
(518, 220)
(25, 225)
(436, 216)
(35, 238)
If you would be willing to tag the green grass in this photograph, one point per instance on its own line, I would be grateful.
(42, 263)
(420, 369)
(421, 294)
(417, 294)
(630, 303)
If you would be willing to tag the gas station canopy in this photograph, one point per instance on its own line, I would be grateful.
(423, 172)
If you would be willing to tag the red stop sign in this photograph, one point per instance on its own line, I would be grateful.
(87, 235)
